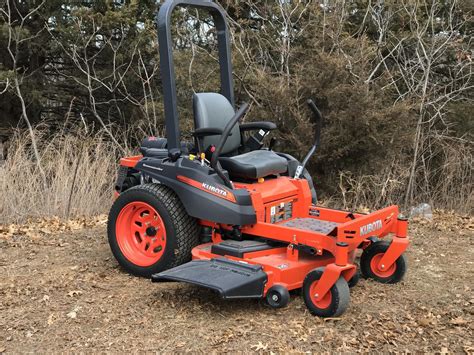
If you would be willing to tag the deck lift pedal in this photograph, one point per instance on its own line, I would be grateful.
(245, 214)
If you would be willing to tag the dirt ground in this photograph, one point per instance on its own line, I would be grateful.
(61, 290)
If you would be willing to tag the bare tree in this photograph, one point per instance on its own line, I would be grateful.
(419, 75)
(15, 38)
(93, 80)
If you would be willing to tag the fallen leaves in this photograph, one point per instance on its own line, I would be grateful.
(259, 347)
(425, 322)
(38, 228)
(329, 319)
(429, 320)
(73, 314)
(449, 221)
(74, 293)
(51, 319)
(458, 321)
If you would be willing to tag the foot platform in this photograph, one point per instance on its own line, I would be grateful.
(311, 224)
(231, 279)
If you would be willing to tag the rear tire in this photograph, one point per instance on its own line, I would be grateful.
(149, 230)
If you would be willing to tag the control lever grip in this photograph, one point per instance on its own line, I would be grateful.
(314, 108)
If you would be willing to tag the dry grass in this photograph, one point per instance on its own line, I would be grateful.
(359, 191)
(79, 172)
(454, 189)
(447, 183)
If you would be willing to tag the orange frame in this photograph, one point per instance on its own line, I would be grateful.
(287, 266)
(335, 252)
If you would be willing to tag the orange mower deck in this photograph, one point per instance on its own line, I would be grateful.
(315, 237)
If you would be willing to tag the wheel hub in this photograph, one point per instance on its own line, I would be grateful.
(141, 233)
(381, 271)
(151, 231)
(323, 302)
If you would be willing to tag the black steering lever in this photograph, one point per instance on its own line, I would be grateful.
(317, 137)
(220, 145)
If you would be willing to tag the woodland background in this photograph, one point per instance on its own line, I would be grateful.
(80, 86)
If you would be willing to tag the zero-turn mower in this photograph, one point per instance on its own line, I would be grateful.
(226, 213)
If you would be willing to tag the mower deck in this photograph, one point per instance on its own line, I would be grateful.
(238, 277)
(286, 251)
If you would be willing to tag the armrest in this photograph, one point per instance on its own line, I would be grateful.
(252, 126)
(207, 131)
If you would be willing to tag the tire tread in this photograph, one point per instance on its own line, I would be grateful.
(186, 228)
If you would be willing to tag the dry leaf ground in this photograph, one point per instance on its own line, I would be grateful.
(61, 290)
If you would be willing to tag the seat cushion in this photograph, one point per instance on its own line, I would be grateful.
(254, 164)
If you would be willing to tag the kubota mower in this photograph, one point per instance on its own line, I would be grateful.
(244, 214)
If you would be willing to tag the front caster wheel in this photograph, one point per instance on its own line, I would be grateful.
(369, 264)
(277, 296)
(333, 304)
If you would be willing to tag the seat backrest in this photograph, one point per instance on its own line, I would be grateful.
(212, 110)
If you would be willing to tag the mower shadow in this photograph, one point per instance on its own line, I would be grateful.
(194, 297)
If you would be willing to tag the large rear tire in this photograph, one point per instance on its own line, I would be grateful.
(149, 230)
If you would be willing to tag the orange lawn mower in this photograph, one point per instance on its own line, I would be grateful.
(226, 213)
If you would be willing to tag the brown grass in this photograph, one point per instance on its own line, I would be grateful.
(79, 169)
(449, 184)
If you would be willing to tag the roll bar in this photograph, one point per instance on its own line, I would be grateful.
(163, 20)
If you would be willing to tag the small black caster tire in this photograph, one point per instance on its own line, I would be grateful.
(277, 296)
(334, 303)
(369, 261)
(354, 280)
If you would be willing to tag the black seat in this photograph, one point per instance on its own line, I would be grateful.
(212, 110)
(254, 164)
